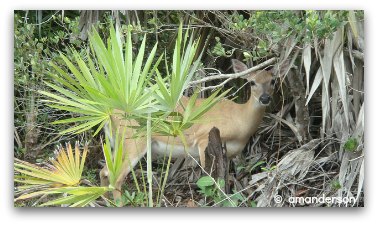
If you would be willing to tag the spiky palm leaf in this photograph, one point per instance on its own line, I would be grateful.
(110, 80)
(65, 170)
(63, 175)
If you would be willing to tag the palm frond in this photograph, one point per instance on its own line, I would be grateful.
(65, 170)
(110, 79)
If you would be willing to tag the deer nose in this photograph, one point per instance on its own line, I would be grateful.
(265, 99)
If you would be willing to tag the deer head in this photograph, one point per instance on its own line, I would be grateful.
(261, 82)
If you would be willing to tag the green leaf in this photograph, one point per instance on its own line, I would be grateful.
(221, 183)
(351, 145)
(205, 181)
(259, 163)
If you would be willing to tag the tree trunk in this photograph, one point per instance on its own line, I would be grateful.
(216, 163)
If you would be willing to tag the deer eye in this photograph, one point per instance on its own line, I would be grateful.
(252, 83)
(272, 82)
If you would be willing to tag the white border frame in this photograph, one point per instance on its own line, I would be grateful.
(11, 215)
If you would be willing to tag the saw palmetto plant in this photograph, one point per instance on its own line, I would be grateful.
(111, 80)
(62, 176)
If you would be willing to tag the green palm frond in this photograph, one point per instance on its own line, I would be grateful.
(171, 88)
(192, 114)
(76, 196)
(96, 85)
(183, 67)
(114, 160)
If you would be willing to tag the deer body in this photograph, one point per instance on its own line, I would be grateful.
(236, 122)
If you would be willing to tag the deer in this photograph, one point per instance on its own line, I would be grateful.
(236, 123)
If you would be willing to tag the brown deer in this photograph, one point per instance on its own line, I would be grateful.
(236, 122)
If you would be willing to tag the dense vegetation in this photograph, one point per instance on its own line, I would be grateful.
(310, 144)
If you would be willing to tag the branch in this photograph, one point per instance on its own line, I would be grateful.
(234, 75)
(216, 86)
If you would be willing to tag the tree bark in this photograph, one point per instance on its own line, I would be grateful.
(216, 163)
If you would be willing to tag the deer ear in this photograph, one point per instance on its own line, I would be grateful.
(280, 69)
(238, 66)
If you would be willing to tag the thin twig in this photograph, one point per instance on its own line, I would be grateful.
(234, 75)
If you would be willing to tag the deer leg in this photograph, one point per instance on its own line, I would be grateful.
(104, 179)
(132, 157)
(201, 150)
(117, 193)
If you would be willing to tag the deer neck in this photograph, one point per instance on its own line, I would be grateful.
(254, 112)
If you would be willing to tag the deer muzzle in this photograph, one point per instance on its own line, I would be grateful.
(265, 99)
